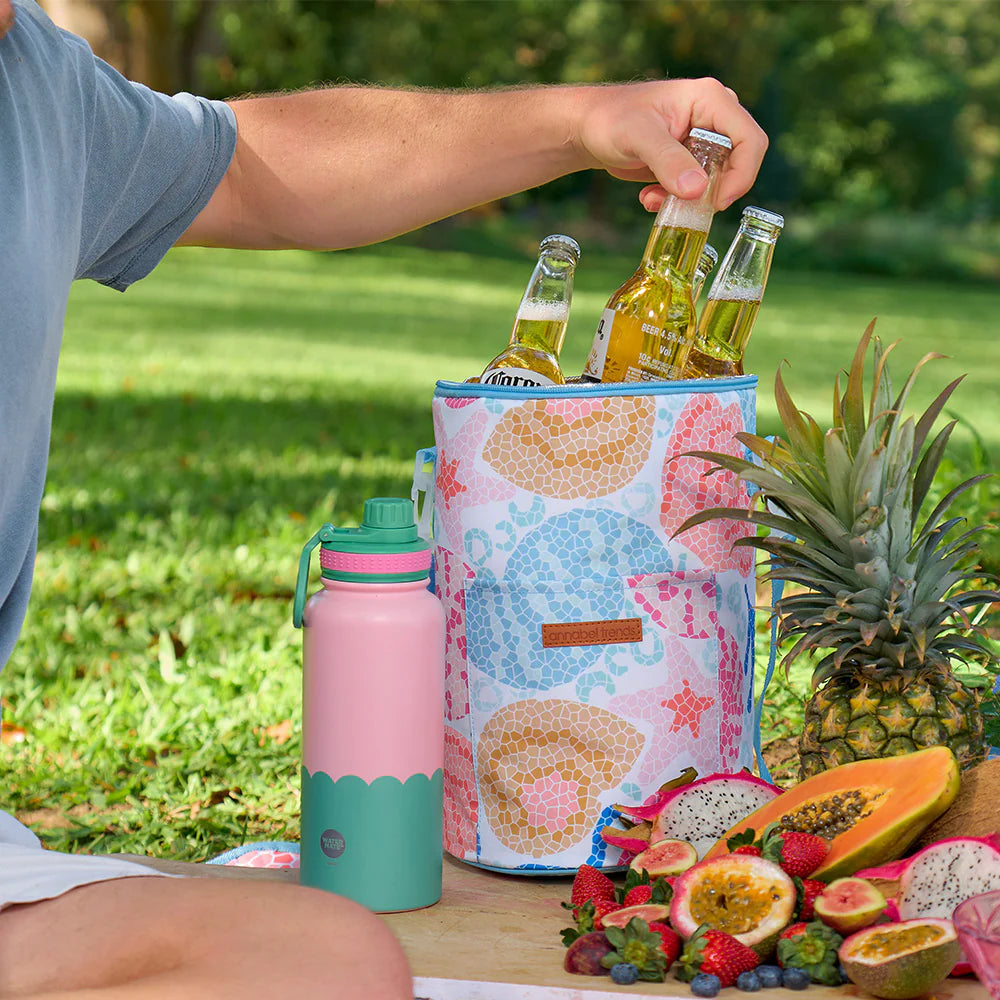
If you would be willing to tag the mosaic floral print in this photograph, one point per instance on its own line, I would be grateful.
(451, 575)
(562, 511)
(568, 569)
(543, 767)
(705, 425)
(461, 806)
(573, 448)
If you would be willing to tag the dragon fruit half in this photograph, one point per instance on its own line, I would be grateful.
(704, 810)
(935, 880)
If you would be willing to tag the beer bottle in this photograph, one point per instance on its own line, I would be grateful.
(734, 299)
(532, 355)
(648, 325)
(709, 258)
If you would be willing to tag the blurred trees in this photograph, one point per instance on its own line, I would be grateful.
(872, 105)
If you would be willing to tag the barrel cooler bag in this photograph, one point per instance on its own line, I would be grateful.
(590, 654)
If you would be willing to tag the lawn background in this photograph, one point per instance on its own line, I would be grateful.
(209, 420)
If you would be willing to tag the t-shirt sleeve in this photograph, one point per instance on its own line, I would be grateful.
(152, 164)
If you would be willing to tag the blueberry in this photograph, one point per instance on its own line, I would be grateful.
(749, 982)
(769, 975)
(795, 979)
(624, 973)
(844, 977)
(706, 985)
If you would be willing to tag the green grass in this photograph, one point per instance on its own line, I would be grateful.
(209, 420)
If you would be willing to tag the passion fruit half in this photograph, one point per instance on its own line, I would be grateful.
(748, 897)
(903, 960)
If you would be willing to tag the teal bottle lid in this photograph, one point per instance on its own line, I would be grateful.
(384, 548)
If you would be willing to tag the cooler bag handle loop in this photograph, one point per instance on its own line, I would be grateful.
(422, 491)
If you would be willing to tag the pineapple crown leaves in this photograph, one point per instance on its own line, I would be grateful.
(842, 517)
(637, 944)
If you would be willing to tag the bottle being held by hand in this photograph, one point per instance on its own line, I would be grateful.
(372, 713)
(734, 299)
(531, 357)
(648, 325)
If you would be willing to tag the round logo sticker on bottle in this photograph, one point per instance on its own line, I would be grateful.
(332, 843)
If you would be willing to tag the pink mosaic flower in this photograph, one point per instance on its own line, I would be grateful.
(450, 575)
(705, 425)
(550, 801)
(685, 609)
(461, 802)
(732, 695)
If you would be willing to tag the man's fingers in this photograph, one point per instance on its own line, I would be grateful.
(652, 196)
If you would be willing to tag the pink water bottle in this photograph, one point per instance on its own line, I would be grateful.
(372, 713)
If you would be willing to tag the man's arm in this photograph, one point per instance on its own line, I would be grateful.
(348, 166)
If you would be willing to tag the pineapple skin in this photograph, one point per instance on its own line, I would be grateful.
(854, 716)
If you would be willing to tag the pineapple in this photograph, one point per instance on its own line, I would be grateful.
(877, 591)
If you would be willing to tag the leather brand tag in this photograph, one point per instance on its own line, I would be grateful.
(603, 633)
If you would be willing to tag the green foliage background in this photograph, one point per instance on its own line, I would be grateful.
(879, 111)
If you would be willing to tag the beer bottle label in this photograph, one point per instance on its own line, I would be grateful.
(598, 356)
(626, 349)
(522, 377)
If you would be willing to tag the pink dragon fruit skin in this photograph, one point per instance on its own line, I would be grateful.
(704, 810)
(937, 878)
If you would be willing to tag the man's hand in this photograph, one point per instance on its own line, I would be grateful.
(347, 166)
(635, 132)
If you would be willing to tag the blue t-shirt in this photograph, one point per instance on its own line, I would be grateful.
(98, 178)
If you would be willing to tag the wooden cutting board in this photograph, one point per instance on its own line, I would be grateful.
(496, 937)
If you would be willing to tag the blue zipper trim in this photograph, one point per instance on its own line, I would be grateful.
(462, 390)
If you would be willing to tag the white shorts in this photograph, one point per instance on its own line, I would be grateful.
(29, 873)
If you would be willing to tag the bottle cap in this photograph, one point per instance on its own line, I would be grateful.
(706, 136)
(559, 242)
(384, 549)
(763, 215)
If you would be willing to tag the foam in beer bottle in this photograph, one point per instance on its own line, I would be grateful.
(648, 325)
(734, 299)
(531, 357)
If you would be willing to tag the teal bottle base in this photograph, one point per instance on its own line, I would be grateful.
(378, 844)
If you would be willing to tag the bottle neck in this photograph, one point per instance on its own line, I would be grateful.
(543, 314)
(680, 231)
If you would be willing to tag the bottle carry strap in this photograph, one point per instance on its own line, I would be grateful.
(325, 534)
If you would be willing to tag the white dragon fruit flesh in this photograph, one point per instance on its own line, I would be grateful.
(935, 880)
(704, 810)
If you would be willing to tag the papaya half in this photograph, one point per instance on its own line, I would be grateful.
(871, 811)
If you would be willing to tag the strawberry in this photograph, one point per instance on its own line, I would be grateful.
(587, 917)
(808, 889)
(716, 953)
(590, 883)
(638, 895)
(799, 854)
(802, 853)
(744, 843)
(602, 907)
(671, 941)
(793, 930)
